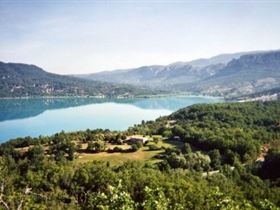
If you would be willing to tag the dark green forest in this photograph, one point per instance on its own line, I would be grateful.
(229, 160)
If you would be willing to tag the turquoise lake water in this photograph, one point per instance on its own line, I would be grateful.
(34, 117)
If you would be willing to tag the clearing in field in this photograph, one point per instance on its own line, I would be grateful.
(143, 154)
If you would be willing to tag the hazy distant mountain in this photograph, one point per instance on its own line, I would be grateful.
(160, 76)
(249, 74)
(18, 80)
(219, 59)
(227, 75)
(166, 77)
(156, 76)
(222, 75)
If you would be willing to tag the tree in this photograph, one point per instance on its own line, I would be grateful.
(115, 199)
(186, 149)
(154, 199)
(267, 205)
(167, 133)
(216, 159)
(231, 157)
(135, 147)
(94, 147)
(197, 161)
(35, 155)
(156, 139)
(176, 161)
(217, 200)
(61, 147)
(177, 130)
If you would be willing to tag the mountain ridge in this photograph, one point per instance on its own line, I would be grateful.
(246, 75)
(203, 76)
(28, 80)
(227, 75)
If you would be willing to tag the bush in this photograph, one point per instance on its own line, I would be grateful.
(135, 147)
(154, 147)
(116, 149)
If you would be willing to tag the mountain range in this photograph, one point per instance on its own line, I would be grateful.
(227, 75)
(247, 74)
(160, 76)
(23, 80)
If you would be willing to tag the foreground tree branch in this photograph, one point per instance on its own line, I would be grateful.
(1, 197)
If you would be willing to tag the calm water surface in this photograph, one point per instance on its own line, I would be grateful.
(34, 117)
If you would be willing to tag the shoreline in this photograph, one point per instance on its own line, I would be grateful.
(118, 97)
(160, 97)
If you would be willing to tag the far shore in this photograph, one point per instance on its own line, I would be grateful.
(178, 94)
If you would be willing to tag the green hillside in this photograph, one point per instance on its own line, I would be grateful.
(22, 80)
(203, 157)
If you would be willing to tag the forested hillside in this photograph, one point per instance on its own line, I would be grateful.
(22, 80)
(224, 156)
(238, 129)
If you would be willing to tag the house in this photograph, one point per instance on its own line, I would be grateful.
(136, 139)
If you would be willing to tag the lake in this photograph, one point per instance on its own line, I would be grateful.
(34, 117)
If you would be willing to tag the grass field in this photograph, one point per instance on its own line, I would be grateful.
(117, 158)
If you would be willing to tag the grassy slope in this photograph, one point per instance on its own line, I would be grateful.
(143, 154)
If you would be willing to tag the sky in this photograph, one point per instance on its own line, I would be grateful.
(87, 36)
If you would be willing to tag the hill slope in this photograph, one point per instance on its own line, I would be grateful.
(19, 80)
(211, 166)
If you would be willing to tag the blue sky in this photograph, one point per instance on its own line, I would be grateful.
(68, 36)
